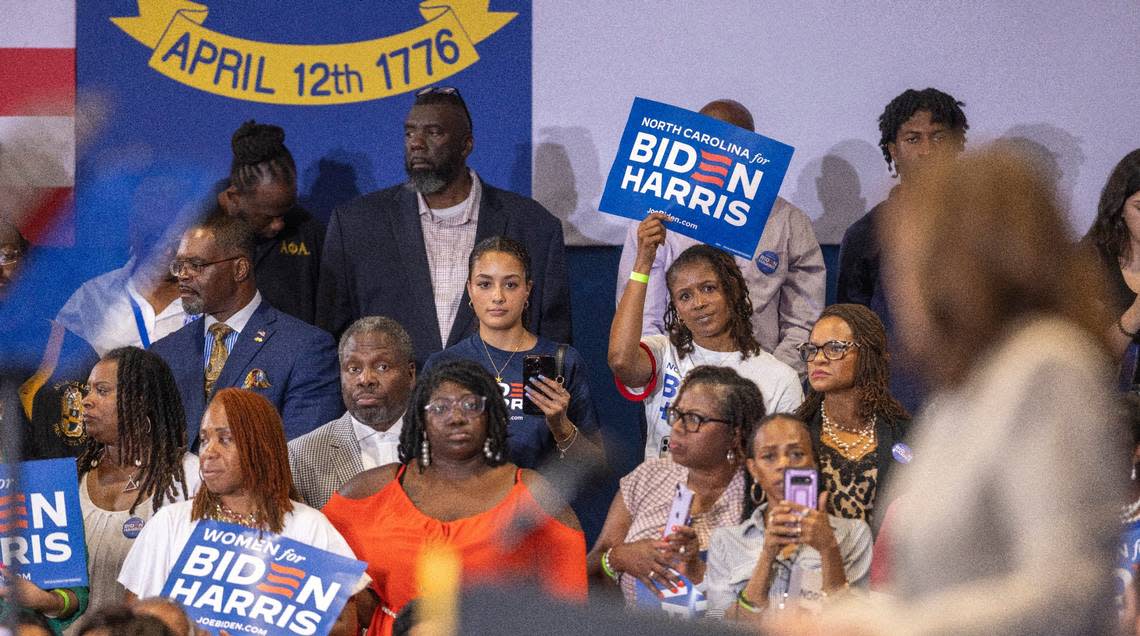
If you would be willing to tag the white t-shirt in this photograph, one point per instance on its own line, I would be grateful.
(778, 383)
(162, 540)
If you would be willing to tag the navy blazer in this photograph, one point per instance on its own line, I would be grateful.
(375, 263)
(299, 361)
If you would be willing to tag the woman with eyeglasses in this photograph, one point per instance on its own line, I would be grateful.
(783, 555)
(454, 487)
(708, 322)
(714, 409)
(855, 423)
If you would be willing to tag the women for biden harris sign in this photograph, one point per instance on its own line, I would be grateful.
(715, 182)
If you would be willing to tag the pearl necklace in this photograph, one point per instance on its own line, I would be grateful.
(855, 449)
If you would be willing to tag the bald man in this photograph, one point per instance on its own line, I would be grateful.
(786, 277)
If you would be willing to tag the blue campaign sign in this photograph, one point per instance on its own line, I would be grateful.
(41, 525)
(243, 581)
(717, 182)
(684, 602)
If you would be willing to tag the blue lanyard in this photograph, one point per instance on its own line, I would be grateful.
(140, 324)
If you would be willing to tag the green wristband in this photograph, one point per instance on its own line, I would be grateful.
(606, 565)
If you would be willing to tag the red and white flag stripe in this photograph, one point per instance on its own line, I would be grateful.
(37, 117)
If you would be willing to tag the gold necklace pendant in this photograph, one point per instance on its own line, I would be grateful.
(499, 370)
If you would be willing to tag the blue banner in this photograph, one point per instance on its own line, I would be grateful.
(717, 182)
(684, 602)
(41, 525)
(243, 581)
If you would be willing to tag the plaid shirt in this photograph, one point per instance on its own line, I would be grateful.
(448, 242)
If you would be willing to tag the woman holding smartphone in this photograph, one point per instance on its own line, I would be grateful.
(560, 422)
(714, 408)
(783, 555)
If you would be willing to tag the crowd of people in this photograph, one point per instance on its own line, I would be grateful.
(957, 418)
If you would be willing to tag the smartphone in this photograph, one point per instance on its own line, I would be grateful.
(534, 366)
(801, 486)
(679, 511)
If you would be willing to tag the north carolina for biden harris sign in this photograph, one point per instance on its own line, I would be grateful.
(233, 578)
(41, 525)
(715, 181)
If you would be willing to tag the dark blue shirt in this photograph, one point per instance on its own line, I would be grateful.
(528, 437)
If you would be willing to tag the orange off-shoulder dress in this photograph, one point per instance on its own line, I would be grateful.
(388, 532)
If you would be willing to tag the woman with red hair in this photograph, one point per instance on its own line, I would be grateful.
(246, 481)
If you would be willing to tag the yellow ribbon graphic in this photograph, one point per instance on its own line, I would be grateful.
(312, 75)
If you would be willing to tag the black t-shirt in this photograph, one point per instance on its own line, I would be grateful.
(287, 267)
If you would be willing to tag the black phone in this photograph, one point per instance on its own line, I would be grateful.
(534, 366)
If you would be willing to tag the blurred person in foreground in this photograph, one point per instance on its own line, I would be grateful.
(1013, 499)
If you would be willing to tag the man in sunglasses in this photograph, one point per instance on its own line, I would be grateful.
(240, 340)
(402, 251)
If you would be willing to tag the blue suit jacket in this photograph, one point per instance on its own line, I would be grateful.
(375, 263)
(299, 361)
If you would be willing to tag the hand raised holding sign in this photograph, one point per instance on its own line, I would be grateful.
(650, 236)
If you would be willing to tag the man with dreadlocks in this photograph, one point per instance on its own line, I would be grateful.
(134, 462)
(918, 128)
(262, 190)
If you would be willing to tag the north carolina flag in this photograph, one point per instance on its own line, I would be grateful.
(37, 118)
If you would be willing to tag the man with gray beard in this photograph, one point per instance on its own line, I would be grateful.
(241, 340)
(402, 251)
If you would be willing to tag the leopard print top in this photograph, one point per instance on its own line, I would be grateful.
(851, 483)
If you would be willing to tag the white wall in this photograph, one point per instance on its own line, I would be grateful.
(1064, 75)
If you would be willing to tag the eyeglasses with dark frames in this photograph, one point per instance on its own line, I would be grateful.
(832, 350)
(195, 267)
(469, 405)
(690, 422)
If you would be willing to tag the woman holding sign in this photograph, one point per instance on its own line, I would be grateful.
(708, 323)
(134, 462)
(455, 488)
(784, 555)
(246, 481)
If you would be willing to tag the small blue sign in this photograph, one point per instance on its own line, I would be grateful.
(902, 453)
(686, 602)
(716, 182)
(41, 525)
(243, 581)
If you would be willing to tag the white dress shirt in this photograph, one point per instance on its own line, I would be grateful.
(378, 448)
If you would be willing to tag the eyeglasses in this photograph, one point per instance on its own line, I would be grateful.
(194, 267)
(10, 257)
(450, 91)
(691, 422)
(469, 406)
(832, 349)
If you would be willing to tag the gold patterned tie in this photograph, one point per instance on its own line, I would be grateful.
(218, 355)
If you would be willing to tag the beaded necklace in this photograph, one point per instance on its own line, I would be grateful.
(859, 447)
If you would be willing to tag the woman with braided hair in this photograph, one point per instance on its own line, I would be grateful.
(707, 322)
(856, 425)
(262, 190)
(134, 462)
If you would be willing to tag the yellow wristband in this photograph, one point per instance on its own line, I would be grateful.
(639, 277)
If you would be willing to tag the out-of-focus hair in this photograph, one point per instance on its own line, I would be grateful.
(991, 232)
